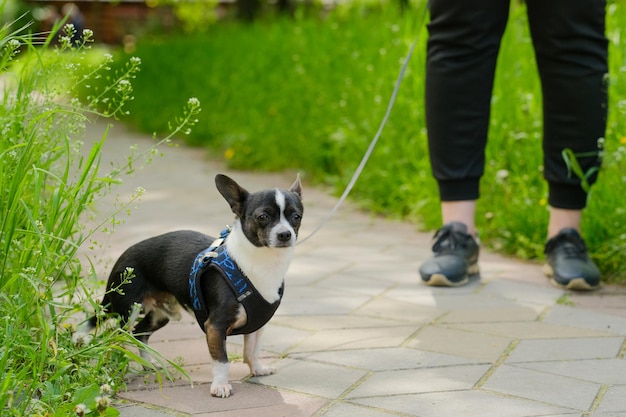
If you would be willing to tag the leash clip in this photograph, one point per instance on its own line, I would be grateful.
(218, 242)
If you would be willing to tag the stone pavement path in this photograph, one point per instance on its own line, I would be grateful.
(357, 334)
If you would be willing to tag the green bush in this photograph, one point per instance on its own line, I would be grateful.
(48, 186)
(309, 94)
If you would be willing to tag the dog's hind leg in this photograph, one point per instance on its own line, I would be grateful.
(251, 353)
(159, 309)
(144, 329)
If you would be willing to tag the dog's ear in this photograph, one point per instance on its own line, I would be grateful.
(234, 194)
(296, 187)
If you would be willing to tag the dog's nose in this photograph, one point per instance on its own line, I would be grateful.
(284, 236)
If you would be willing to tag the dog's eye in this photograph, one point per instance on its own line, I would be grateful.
(296, 217)
(263, 218)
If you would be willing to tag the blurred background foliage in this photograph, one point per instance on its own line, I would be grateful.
(304, 85)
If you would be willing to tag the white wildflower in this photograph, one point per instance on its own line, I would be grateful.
(106, 389)
(502, 175)
(193, 102)
(81, 410)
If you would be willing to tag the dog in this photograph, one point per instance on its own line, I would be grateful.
(232, 284)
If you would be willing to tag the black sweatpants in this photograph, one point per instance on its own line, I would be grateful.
(571, 51)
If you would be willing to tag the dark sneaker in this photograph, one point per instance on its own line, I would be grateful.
(568, 263)
(455, 257)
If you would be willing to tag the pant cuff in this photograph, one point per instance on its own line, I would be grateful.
(564, 196)
(459, 190)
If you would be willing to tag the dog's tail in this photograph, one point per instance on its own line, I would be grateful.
(93, 321)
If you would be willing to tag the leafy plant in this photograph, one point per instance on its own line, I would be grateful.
(48, 184)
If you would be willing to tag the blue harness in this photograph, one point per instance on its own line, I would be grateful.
(259, 311)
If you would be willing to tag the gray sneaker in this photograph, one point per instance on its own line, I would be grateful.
(568, 263)
(455, 257)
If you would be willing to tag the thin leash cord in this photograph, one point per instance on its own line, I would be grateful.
(372, 145)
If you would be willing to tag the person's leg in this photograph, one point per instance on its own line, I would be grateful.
(571, 51)
(460, 211)
(462, 50)
(562, 219)
(464, 39)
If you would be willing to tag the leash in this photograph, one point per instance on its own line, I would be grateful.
(372, 144)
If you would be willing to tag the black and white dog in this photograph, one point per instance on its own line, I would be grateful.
(232, 284)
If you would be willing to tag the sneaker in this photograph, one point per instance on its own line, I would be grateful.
(455, 257)
(568, 263)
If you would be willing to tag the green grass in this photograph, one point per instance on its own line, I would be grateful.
(308, 94)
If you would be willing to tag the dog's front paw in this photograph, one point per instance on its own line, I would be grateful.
(261, 370)
(222, 390)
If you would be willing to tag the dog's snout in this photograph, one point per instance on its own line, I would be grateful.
(284, 236)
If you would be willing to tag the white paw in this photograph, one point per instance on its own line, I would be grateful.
(152, 363)
(222, 390)
(261, 370)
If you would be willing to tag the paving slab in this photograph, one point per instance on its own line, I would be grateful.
(134, 410)
(569, 349)
(462, 343)
(604, 371)
(251, 399)
(351, 410)
(470, 403)
(511, 313)
(417, 381)
(399, 311)
(542, 387)
(317, 379)
(528, 330)
(357, 334)
(581, 317)
(386, 359)
(361, 338)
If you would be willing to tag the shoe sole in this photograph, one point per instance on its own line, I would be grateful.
(440, 280)
(578, 284)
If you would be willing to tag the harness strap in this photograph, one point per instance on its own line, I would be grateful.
(258, 310)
